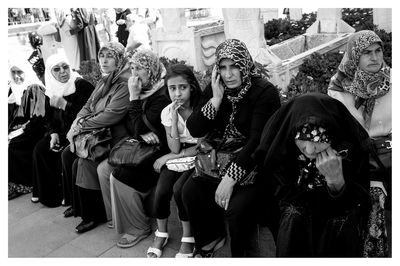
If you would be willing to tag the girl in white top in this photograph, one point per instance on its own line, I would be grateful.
(184, 92)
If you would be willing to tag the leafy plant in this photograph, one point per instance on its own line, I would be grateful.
(90, 71)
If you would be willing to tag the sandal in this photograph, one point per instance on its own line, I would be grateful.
(129, 240)
(186, 255)
(156, 251)
(209, 253)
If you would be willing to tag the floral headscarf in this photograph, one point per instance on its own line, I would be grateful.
(364, 85)
(148, 60)
(313, 133)
(53, 86)
(236, 51)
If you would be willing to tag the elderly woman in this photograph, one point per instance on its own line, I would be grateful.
(363, 85)
(26, 126)
(236, 105)
(317, 157)
(108, 101)
(67, 93)
(131, 186)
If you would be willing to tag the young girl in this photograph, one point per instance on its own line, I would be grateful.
(184, 92)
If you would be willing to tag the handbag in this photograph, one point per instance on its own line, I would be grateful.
(132, 152)
(93, 145)
(214, 157)
(181, 164)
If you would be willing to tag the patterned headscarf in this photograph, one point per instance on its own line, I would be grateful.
(148, 60)
(117, 49)
(236, 51)
(364, 85)
(313, 133)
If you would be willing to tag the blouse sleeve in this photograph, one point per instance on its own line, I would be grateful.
(166, 118)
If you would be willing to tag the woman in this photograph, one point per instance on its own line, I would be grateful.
(67, 93)
(363, 85)
(131, 186)
(317, 157)
(26, 126)
(184, 91)
(108, 102)
(237, 103)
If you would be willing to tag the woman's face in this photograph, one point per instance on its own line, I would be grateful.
(17, 75)
(311, 149)
(179, 90)
(138, 71)
(371, 58)
(230, 73)
(107, 61)
(61, 72)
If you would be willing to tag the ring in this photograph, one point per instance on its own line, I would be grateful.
(223, 201)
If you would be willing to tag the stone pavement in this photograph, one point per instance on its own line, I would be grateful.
(37, 231)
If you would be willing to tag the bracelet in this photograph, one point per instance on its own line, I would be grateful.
(183, 152)
(173, 137)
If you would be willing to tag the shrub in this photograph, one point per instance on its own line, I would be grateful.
(90, 71)
(358, 18)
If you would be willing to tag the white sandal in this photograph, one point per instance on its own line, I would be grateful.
(156, 251)
(186, 255)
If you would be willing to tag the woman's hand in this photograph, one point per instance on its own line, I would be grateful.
(135, 87)
(329, 165)
(58, 102)
(54, 140)
(224, 192)
(120, 22)
(73, 131)
(150, 138)
(160, 162)
(217, 88)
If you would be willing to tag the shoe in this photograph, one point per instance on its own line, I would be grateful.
(85, 226)
(129, 240)
(186, 255)
(110, 224)
(209, 253)
(156, 251)
(35, 199)
(69, 212)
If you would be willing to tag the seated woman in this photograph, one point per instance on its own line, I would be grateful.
(26, 124)
(363, 84)
(108, 101)
(131, 186)
(317, 155)
(236, 105)
(67, 92)
(184, 91)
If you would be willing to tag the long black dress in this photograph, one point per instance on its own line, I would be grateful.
(47, 163)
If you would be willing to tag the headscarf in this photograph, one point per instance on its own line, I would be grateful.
(236, 51)
(148, 60)
(107, 81)
(30, 79)
(365, 86)
(277, 145)
(53, 86)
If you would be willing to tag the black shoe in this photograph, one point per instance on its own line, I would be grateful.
(200, 253)
(69, 212)
(85, 226)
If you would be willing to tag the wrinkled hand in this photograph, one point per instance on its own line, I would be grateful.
(159, 163)
(329, 164)
(224, 192)
(54, 140)
(216, 84)
(134, 86)
(150, 138)
(58, 102)
(120, 22)
(73, 131)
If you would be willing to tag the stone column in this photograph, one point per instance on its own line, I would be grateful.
(246, 25)
(329, 20)
(383, 18)
(268, 14)
(173, 19)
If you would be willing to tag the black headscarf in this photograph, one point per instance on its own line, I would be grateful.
(277, 144)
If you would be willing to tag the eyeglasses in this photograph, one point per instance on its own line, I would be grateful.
(58, 69)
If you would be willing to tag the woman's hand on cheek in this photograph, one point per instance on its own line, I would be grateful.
(329, 164)
(135, 87)
(217, 88)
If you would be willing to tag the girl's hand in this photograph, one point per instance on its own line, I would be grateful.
(329, 164)
(174, 111)
(216, 84)
(159, 163)
(135, 87)
(150, 138)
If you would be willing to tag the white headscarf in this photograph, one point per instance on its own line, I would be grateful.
(17, 90)
(53, 86)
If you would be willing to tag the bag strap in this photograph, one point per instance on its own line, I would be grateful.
(146, 121)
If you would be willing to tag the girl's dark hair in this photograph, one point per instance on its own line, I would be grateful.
(185, 72)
